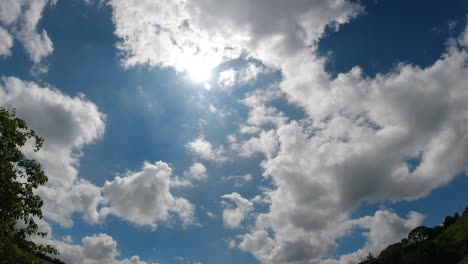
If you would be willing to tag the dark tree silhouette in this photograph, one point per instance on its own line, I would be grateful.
(447, 243)
(448, 221)
(19, 176)
(420, 234)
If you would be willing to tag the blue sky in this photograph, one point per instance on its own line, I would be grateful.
(239, 131)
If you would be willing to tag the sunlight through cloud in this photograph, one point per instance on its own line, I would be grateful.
(199, 71)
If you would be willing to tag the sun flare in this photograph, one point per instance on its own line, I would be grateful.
(199, 69)
(199, 74)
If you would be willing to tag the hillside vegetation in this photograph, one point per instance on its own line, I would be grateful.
(447, 243)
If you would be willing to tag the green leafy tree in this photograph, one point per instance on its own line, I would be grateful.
(441, 244)
(19, 177)
(420, 234)
(448, 221)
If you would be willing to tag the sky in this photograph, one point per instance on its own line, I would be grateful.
(218, 131)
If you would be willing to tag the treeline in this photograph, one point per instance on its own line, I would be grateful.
(447, 243)
(26, 254)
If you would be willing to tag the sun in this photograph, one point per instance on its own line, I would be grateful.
(200, 73)
(199, 69)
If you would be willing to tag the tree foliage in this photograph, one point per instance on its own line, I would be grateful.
(420, 234)
(19, 177)
(447, 243)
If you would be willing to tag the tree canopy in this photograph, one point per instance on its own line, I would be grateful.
(447, 243)
(19, 205)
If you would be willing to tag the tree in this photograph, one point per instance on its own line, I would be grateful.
(456, 216)
(19, 176)
(420, 234)
(448, 221)
(370, 259)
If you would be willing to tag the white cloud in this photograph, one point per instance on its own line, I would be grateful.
(100, 247)
(211, 215)
(464, 37)
(66, 124)
(42, 227)
(133, 260)
(6, 42)
(144, 197)
(259, 243)
(227, 78)
(197, 172)
(61, 203)
(67, 239)
(266, 143)
(233, 216)
(212, 109)
(250, 72)
(260, 113)
(22, 17)
(360, 130)
(80, 122)
(96, 249)
(384, 229)
(232, 244)
(239, 180)
(185, 34)
(246, 74)
(247, 129)
(185, 210)
(164, 36)
(204, 150)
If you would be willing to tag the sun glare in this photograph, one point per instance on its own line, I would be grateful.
(199, 70)
(200, 74)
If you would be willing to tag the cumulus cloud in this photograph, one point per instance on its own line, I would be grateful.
(266, 143)
(69, 123)
(354, 148)
(6, 42)
(42, 227)
(66, 124)
(203, 149)
(184, 34)
(144, 197)
(197, 172)
(164, 36)
(250, 72)
(464, 37)
(61, 203)
(261, 113)
(67, 239)
(248, 129)
(384, 228)
(227, 78)
(21, 18)
(43, 108)
(259, 243)
(99, 247)
(96, 249)
(246, 74)
(239, 180)
(233, 215)
(358, 129)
